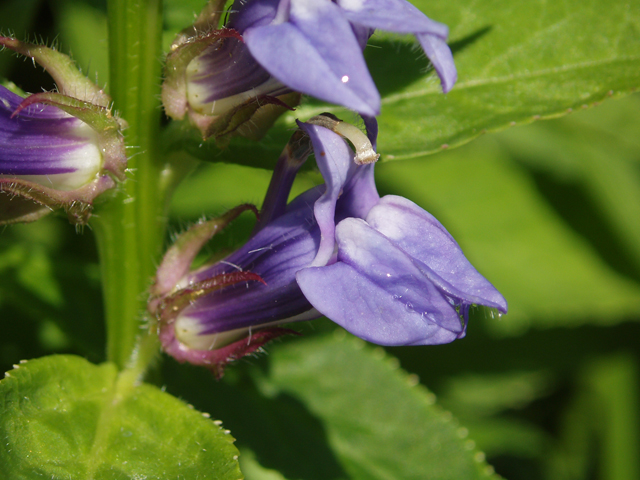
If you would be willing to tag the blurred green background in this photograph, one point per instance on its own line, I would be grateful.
(548, 212)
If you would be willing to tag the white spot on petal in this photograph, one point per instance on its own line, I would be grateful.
(353, 5)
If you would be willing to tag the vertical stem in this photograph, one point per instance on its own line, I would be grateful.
(614, 380)
(130, 227)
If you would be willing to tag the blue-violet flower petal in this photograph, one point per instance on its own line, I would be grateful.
(46, 145)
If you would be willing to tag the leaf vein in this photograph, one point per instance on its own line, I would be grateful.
(507, 78)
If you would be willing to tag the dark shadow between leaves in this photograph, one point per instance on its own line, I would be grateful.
(27, 318)
(562, 350)
(81, 314)
(576, 207)
(18, 334)
(461, 45)
(180, 136)
(561, 353)
(17, 68)
(396, 65)
(520, 468)
(279, 430)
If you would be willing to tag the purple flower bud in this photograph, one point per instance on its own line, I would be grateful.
(212, 78)
(225, 75)
(382, 268)
(46, 145)
(56, 151)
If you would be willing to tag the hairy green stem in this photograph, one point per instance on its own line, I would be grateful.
(130, 227)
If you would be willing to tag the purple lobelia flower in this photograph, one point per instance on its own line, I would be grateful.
(56, 150)
(382, 268)
(225, 77)
(315, 46)
(399, 278)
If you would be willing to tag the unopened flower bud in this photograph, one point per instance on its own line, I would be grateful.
(57, 151)
(212, 78)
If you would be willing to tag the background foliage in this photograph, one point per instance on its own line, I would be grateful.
(549, 212)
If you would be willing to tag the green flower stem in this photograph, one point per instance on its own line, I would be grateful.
(130, 227)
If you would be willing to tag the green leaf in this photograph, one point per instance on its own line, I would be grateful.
(599, 427)
(516, 62)
(509, 437)
(329, 407)
(66, 418)
(587, 160)
(489, 394)
(254, 471)
(35, 273)
(615, 381)
(486, 403)
(378, 420)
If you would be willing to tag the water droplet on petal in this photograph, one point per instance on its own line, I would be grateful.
(345, 78)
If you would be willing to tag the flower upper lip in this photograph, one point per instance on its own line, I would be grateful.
(314, 46)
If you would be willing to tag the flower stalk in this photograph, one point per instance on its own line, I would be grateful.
(130, 228)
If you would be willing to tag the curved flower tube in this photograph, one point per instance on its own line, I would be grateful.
(56, 151)
(382, 268)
